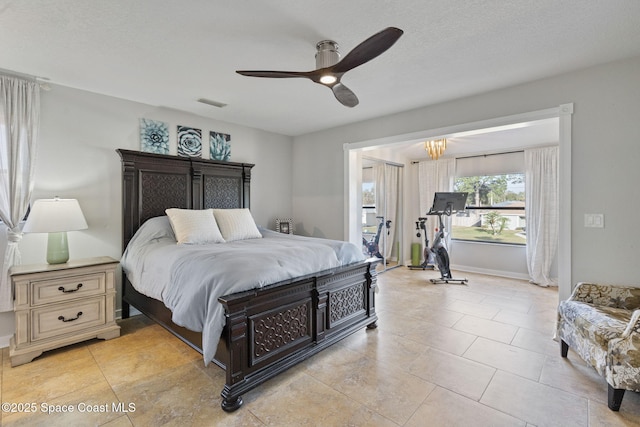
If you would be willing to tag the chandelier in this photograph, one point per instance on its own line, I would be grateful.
(435, 147)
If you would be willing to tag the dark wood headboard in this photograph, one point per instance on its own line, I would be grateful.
(152, 183)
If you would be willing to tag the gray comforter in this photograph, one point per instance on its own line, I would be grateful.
(189, 279)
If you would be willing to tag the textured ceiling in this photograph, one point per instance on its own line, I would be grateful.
(171, 53)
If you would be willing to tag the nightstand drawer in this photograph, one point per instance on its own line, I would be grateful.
(66, 288)
(54, 320)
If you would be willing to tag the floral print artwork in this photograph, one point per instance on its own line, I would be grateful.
(154, 136)
(189, 142)
(219, 146)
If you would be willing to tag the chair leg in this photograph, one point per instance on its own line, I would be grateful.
(564, 348)
(615, 398)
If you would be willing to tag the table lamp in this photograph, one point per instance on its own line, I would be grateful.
(56, 217)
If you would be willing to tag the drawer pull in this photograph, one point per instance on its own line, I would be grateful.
(63, 290)
(70, 320)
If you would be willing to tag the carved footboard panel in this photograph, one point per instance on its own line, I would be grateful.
(272, 329)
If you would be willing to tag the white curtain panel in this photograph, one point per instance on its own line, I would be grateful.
(392, 182)
(19, 120)
(388, 181)
(381, 196)
(435, 176)
(542, 211)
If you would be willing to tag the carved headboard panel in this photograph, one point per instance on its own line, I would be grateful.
(152, 183)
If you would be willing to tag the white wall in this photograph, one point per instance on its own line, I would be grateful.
(76, 158)
(604, 159)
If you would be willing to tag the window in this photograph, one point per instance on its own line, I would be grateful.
(495, 209)
(496, 202)
(369, 223)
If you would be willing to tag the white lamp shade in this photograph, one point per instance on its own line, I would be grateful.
(55, 215)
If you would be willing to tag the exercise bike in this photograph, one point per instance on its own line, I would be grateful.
(445, 204)
(428, 263)
(373, 247)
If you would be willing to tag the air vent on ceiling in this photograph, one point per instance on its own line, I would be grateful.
(213, 103)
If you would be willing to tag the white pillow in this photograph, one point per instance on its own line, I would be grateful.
(194, 226)
(236, 224)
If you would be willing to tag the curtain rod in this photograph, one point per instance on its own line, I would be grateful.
(386, 162)
(479, 155)
(490, 154)
(42, 81)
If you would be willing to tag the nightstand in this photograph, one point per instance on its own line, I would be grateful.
(62, 304)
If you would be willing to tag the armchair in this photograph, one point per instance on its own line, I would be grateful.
(602, 324)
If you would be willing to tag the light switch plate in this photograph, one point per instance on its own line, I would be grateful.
(594, 220)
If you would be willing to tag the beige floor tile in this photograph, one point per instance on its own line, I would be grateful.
(473, 309)
(536, 403)
(138, 363)
(506, 358)
(440, 337)
(628, 416)
(93, 405)
(445, 408)
(182, 396)
(51, 375)
(486, 328)
(396, 323)
(573, 375)
(135, 333)
(434, 315)
(540, 342)
(122, 421)
(306, 401)
(544, 322)
(386, 348)
(385, 388)
(452, 372)
(514, 303)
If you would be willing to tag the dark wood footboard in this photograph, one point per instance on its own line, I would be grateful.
(271, 329)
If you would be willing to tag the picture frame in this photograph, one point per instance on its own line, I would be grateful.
(284, 226)
(189, 141)
(154, 136)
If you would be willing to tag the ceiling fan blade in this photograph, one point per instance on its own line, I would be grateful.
(368, 49)
(344, 95)
(275, 74)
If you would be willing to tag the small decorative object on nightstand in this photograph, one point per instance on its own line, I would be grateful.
(62, 304)
(284, 226)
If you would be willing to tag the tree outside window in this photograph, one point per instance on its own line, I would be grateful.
(495, 209)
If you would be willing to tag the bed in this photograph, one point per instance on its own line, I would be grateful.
(267, 329)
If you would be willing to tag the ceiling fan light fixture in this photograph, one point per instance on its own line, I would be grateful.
(328, 79)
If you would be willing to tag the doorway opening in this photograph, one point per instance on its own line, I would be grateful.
(354, 153)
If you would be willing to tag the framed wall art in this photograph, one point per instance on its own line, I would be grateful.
(219, 146)
(189, 142)
(154, 136)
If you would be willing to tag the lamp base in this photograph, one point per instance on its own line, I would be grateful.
(57, 248)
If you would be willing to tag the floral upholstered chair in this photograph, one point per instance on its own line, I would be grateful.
(602, 324)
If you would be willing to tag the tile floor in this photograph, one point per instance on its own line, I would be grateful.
(443, 355)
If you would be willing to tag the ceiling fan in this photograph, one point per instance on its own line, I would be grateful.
(329, 69)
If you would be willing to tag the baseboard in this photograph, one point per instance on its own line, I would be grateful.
(490, 272)
(4, 341)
